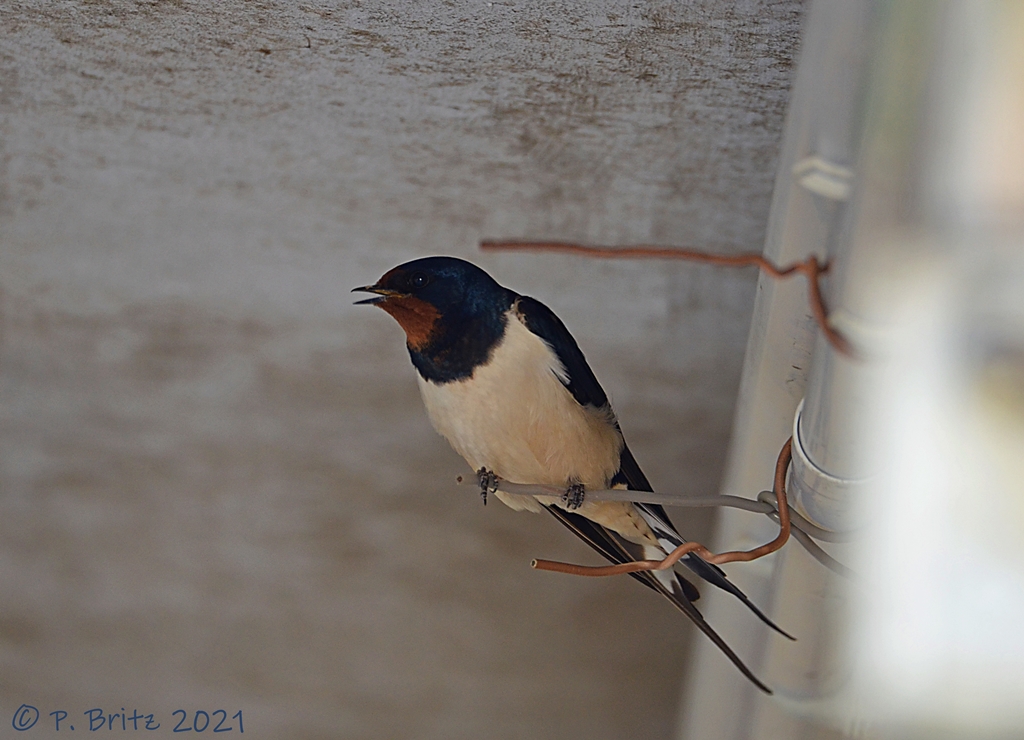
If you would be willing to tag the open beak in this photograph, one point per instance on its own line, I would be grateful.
(382, 295)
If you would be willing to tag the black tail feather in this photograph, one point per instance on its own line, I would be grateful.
(597, 538)
(716, 577)
(617, 550)
(631, 475)
(698, 619)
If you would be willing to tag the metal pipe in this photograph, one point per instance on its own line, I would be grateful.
(811, 190)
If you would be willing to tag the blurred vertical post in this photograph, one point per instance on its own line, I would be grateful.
(937, 646)
(904, 161)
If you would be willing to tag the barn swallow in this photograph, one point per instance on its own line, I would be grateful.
(506, 384)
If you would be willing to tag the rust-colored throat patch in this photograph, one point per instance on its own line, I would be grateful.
(417, 317)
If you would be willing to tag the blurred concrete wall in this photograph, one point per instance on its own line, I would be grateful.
(219, 489)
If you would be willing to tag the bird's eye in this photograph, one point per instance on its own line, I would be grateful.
(418, 280)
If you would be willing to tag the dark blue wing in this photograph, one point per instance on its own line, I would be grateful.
(583, 385)
(542, 321)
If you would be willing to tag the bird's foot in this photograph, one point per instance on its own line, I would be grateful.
(574, 495)
(488, 483)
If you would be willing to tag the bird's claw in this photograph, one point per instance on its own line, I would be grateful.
(488, 483)
(574, 495)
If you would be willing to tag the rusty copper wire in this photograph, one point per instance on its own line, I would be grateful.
(781, 466)
(810, 268)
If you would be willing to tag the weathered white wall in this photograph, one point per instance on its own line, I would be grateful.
(219, 489)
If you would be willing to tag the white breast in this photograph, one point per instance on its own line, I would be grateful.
(516, 418)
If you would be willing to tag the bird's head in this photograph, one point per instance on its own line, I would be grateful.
(432, 296)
